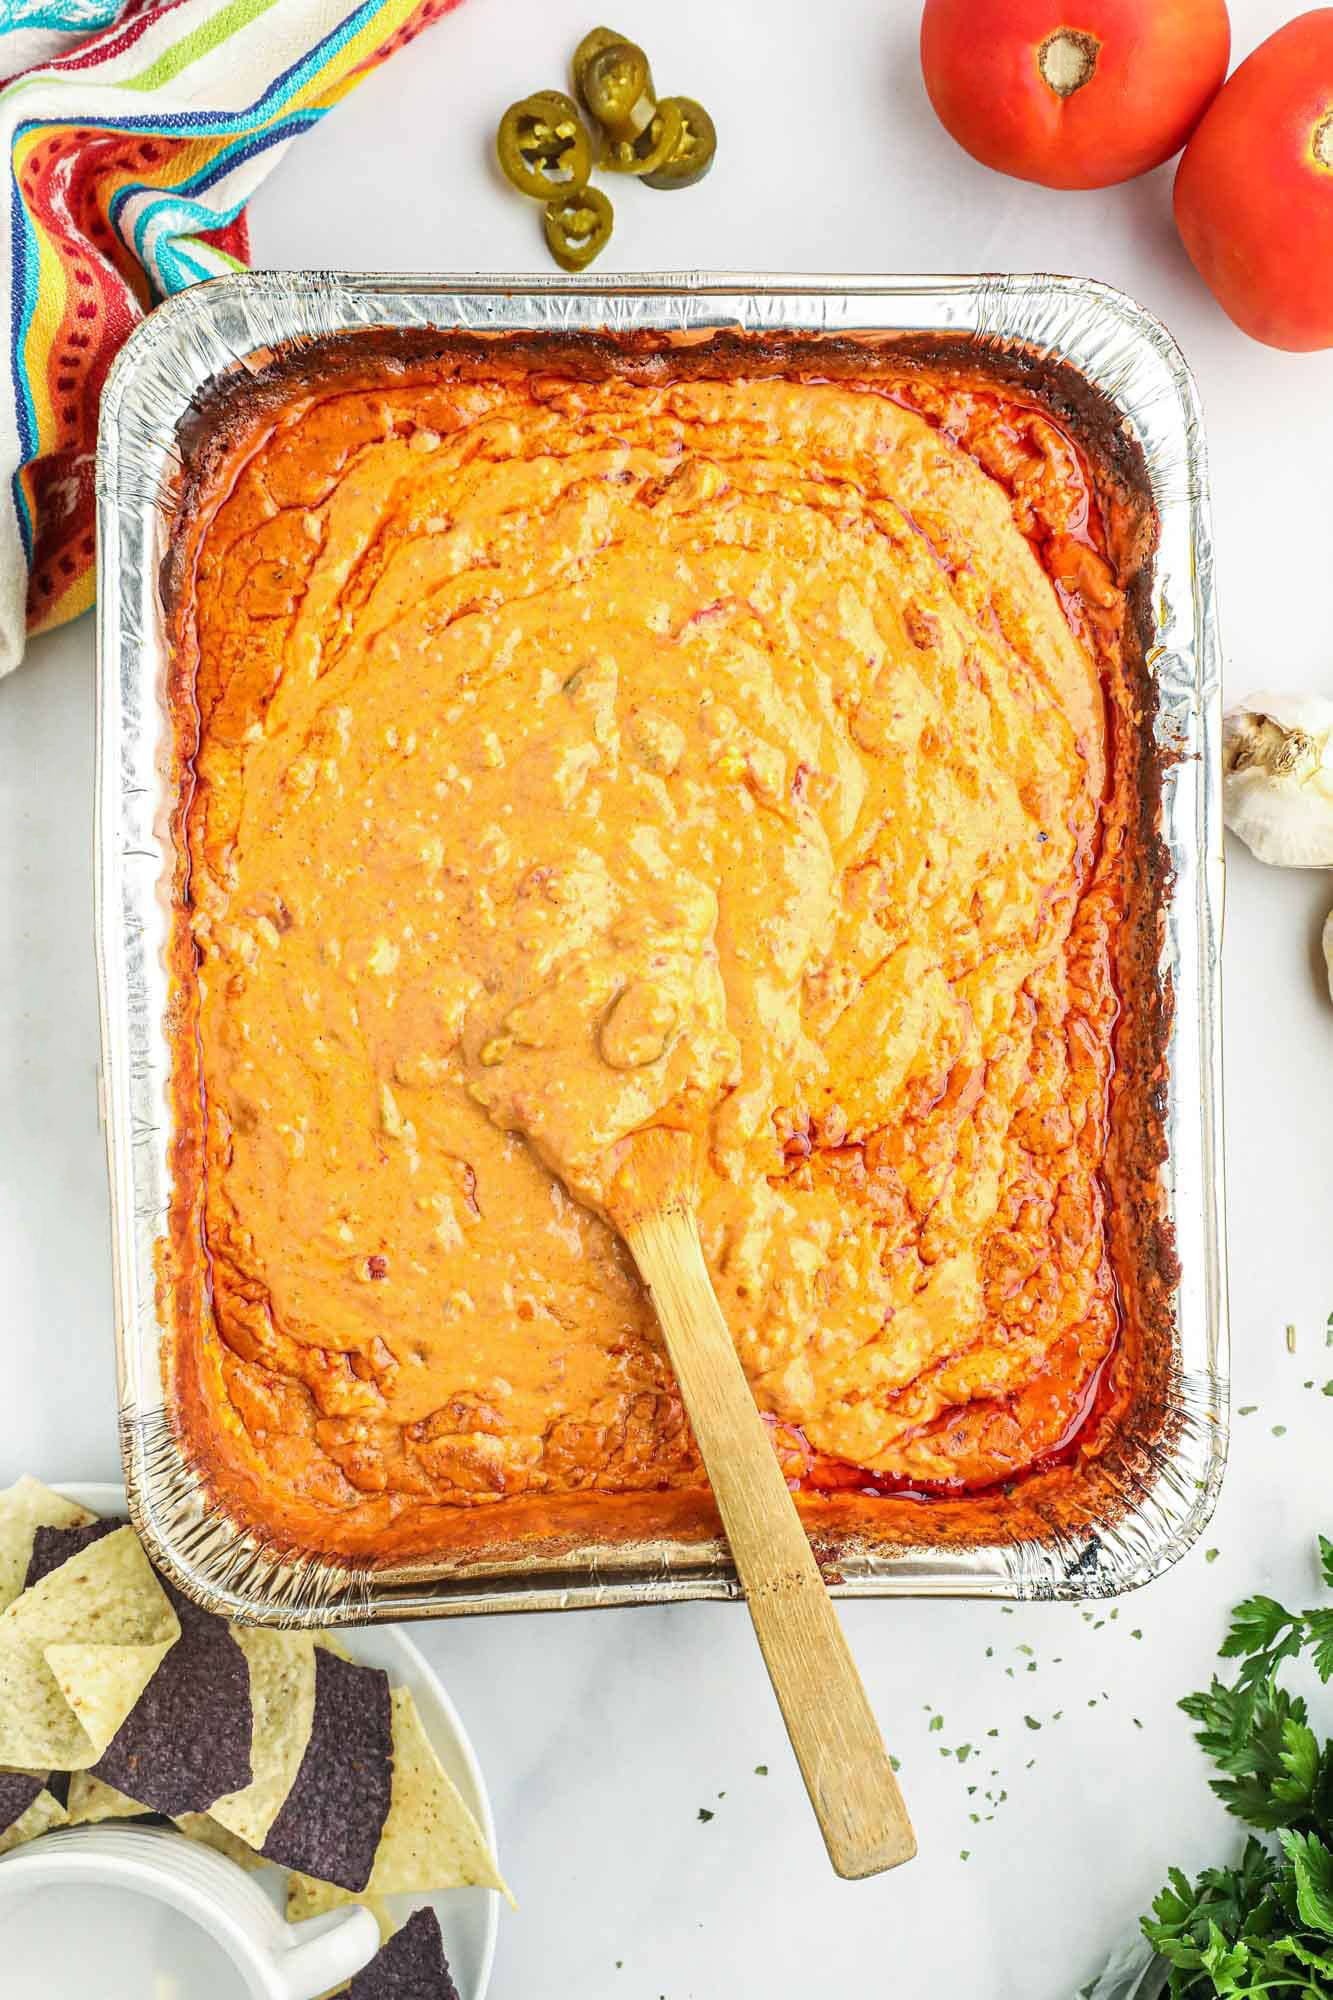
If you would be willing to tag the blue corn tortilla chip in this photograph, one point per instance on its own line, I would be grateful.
(186, 1741)
(330, 1822)
(17, 1791)
(411, 1966)
(53, 1546)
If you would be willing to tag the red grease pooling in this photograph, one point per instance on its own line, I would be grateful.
(835, 1475)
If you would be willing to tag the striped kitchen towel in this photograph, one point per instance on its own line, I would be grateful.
(136, 130)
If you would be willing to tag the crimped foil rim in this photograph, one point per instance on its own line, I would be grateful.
(1123, 352)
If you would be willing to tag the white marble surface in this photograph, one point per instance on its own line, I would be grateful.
(604, 1734)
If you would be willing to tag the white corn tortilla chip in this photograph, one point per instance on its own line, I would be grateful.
(45, 1812)
(77, 1651)
(25, 1507)
(282, 1700)
(90, 1799)
(206, 1830)
(430, 1839)
(308, 1898)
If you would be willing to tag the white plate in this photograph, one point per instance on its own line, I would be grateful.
(468, 1917)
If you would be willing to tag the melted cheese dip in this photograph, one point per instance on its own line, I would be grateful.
(577, 756)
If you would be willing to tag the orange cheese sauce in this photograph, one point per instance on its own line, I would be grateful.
(570, 757)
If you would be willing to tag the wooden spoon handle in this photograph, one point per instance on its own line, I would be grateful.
(829, 1720)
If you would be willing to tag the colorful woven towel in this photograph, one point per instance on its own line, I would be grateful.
(136, 132)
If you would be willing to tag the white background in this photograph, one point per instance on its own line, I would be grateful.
(604, 1734)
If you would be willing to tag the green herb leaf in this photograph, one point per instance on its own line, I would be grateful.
(1326, 1559)
(1312, 1863)
(1266, 1925)
(1319, 1631)
(1300, 1758)
(1316, 1961)
(1256, 1626)
(1226, 1964)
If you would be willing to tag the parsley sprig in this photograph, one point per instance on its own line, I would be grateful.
(1264, 1926)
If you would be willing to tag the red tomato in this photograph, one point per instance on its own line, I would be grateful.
(1254, 192)
(1073, 93)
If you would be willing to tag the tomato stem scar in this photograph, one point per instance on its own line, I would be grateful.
(1322, 140)
(1067, 59)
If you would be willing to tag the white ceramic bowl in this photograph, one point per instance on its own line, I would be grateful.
(149, 1871)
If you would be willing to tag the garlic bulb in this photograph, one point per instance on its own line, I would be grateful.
(1277, 778)
(1277, 784)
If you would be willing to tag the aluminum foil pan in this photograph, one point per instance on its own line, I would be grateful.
(236, 321)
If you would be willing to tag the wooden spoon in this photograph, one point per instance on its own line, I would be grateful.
(829, 1720)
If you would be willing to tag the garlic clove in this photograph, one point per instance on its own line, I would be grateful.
(1277, 778)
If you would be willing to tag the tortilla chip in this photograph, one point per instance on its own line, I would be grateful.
(430, 1839)
(76, 1653)
(282, 1699)
(186, 1741)
(18, 1789)
(330, 1823)
(24, 1507)
(44, 1812)
(90, 1799)
(206, 1830)
(53, 1546)
(308, 1898)
(411, 1966)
